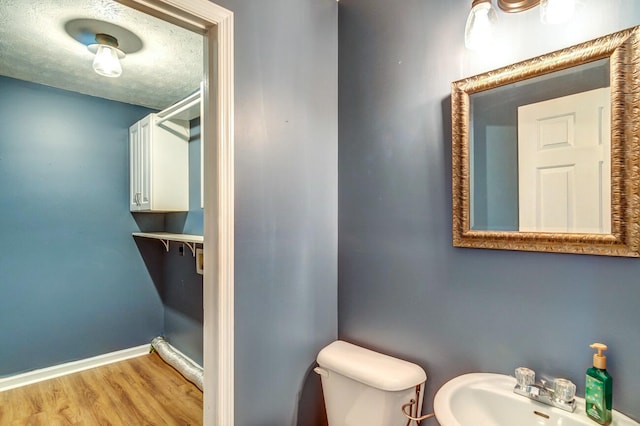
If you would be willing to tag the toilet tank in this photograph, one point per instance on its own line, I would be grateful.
(363, 387)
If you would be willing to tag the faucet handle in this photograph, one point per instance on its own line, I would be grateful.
(525, 377)
(564, 390)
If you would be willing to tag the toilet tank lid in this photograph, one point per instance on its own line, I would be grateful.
(371, 368)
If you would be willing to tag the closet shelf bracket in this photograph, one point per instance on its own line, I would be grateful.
(165, 238)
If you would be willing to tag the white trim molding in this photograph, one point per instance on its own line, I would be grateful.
(59, 370)
(216, 24)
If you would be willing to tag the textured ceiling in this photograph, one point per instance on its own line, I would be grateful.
(36, 47)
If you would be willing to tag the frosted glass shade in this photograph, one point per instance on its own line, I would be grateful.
(106, 62)
(478, 33)
(556, 11)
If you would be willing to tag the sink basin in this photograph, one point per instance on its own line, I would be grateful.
(487, 399)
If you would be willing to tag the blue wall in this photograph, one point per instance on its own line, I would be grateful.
(286, 203)
(403, 288)
(181, 285)
(72, 282)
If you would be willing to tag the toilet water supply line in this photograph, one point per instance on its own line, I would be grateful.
(184, 366)
(413, 404)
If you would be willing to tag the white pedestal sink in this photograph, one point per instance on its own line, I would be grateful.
(487, 399)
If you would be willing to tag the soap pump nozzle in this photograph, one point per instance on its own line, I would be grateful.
(599, 360)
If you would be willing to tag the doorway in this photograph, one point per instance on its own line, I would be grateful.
(216, 24)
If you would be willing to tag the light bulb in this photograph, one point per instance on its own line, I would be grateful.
(107, 59)
(556, 11)
(106, 62)
(478, 33)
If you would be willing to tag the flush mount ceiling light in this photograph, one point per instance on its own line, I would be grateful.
(109, 42)
(107, 60)
(483, 17)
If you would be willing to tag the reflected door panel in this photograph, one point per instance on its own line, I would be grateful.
(564, 164)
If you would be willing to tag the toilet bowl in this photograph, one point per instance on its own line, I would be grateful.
(363, 387)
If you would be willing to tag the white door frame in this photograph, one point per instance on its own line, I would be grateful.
(216, 23)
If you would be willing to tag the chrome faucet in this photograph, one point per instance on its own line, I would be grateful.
(560, 394)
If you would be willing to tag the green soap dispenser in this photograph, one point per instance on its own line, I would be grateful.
(598, 390)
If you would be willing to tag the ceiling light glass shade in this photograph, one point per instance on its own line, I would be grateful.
(106, 62)
(478, 33)
(556, 11)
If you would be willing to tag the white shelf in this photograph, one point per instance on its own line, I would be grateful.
(166, 237)
(186, 109)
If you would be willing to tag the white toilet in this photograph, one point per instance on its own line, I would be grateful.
(363, 387)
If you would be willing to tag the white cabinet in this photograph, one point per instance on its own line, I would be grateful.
(159, 165)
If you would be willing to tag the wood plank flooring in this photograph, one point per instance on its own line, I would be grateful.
(139, 391)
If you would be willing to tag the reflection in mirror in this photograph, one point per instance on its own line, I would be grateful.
(545, 152)
(539, 153)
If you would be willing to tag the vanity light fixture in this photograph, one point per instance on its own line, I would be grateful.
(556, 11)
(107, 60)
(478, 32)
(482, 19)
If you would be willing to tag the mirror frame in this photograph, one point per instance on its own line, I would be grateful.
(623, 51)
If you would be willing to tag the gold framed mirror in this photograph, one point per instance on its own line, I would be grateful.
(531, 173)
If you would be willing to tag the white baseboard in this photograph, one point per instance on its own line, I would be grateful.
(35, 376)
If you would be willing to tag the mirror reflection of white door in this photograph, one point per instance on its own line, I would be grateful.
(564, 166)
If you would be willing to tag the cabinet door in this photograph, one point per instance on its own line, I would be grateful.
(159, 165)
(139, 166)
(134, 169)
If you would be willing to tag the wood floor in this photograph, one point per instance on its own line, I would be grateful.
(139, 391)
